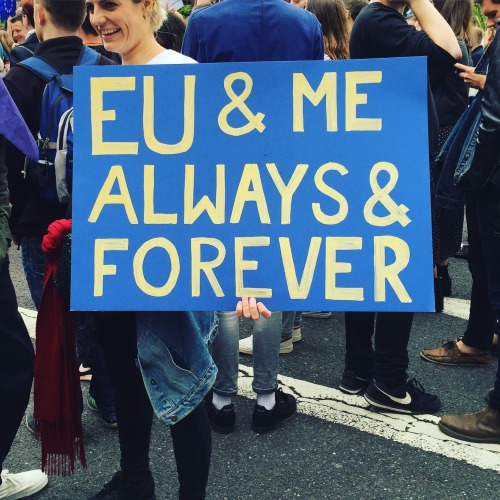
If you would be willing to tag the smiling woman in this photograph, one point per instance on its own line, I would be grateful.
(170, 348)
(128, 27)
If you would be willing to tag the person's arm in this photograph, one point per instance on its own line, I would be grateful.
(435, 26)
(250, 308)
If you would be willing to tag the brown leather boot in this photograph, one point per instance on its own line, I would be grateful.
(480, 427)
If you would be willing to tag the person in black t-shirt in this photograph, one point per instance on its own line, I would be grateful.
(380, 31)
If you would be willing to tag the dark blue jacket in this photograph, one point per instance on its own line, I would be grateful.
(24, 50)
(253, 30)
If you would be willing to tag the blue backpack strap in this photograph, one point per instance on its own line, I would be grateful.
(40, 68)
(88, 57)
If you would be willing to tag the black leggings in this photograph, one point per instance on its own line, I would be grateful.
(191, 437)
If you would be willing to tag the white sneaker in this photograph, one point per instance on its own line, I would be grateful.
(246, 345)
(286, 346)
(296, 334)
(22, 485)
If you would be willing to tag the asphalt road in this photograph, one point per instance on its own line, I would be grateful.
(333, 448)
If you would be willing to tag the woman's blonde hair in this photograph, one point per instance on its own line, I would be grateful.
(156, 15)
(6, 40)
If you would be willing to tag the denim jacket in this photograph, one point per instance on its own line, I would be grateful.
(457, 153)
(173, 357)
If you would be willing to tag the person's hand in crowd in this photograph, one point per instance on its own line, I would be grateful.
(471, 79)
(250, 308)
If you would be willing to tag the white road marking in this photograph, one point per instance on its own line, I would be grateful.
(417, 431)
(29, 317)
(326, 403)
(459, 308)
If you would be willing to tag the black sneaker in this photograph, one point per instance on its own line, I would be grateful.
(266, 420)
(409, 398)
(353, 384)
(118, 489)
(222, 421)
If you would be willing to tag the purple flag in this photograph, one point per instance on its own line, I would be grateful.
(12, 125)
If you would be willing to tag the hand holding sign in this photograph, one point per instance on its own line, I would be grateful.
(250, 308)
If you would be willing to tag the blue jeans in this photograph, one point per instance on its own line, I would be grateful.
(266, 346)
(34, 266)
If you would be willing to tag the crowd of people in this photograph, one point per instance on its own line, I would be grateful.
(183, 366)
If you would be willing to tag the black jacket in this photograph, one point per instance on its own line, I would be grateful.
(380, 31)
(30, 214)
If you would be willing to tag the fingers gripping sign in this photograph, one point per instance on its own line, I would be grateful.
(250, 308)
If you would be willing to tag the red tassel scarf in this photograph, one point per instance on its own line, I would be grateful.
(57, 391)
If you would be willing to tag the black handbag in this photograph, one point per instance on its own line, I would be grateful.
(62, 280)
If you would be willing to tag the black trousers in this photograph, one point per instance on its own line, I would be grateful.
(191, 437)
(482, 316)
(487, 217)
(386, 358)
(17, 360)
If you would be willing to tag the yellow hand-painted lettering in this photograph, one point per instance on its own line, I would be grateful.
(397, 213)
(238, 102)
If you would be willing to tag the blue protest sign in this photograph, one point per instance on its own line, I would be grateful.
(305, 184)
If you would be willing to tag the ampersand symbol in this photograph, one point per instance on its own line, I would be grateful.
(238, 102)
(397, 213)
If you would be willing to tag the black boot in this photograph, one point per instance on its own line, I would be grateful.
(442, 272)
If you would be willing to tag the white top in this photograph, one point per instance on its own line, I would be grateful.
(171, 57)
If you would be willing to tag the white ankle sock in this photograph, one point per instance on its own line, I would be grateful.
(220, 401)
(266, 400)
